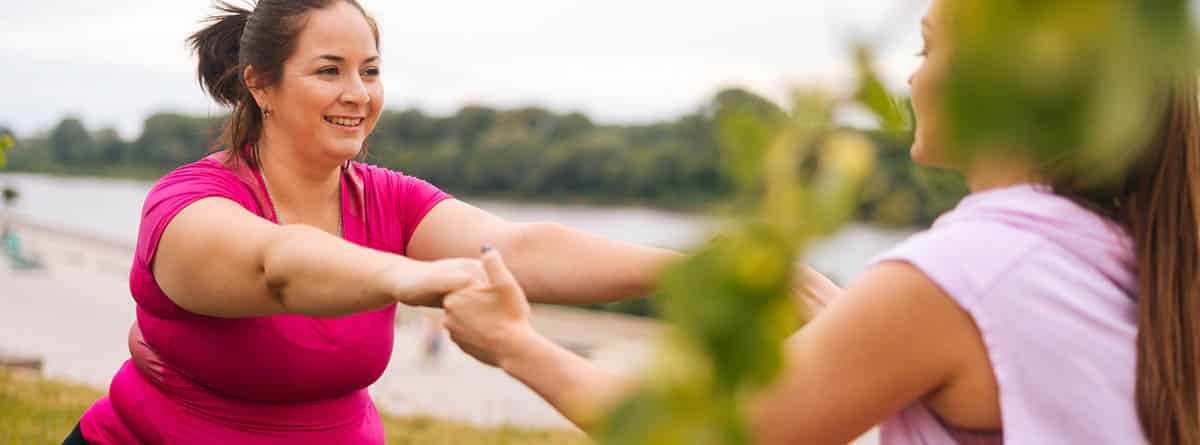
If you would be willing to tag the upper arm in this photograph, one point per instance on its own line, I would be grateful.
(891, 338)
(210, 260)
(453, 229)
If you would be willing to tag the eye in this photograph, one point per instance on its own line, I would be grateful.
(372, 72)
(329, 70)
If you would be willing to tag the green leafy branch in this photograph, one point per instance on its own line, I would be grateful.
(731, 303)
(6, 144)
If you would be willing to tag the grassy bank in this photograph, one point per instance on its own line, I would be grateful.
(34, 410)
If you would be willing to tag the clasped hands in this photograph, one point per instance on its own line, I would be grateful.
(488, 314)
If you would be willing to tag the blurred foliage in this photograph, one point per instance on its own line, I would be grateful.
(797, 177)
(6, 143)
(1086, 90)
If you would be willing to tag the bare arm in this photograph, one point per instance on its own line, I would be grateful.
(554, 263)
(888, 341)
(491, 322)
(217, 259)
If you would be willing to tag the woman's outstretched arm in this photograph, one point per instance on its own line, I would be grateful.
(554, 263)
(491, 323)
(889, 340)
(217, 259)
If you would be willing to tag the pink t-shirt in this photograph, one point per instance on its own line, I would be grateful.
(1052, 288)
(285, 379)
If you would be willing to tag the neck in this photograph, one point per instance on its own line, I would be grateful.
(300, 185)
(993, 173)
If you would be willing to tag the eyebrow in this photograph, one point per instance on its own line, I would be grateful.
(340, 59)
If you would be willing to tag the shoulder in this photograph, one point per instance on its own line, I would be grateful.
(965, 258)
(393, 185)
(207, 176)
(1025, 229)
(397, 202)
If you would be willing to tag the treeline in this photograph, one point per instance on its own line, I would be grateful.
(527, 153)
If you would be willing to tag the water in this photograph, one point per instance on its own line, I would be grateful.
(111, 208)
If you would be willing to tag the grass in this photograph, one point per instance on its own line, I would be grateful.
(35, 410)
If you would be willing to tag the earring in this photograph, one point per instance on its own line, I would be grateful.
(266, 113)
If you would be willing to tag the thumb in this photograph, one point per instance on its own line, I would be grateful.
(497, 272)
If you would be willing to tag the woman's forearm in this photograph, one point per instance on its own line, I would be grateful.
(558, 264)
(575, 387)
(313, 273)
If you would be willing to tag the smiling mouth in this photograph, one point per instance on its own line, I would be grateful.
(346, 122)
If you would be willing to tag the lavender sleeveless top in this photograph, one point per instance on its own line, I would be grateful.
(1051, 287)
(284, 379)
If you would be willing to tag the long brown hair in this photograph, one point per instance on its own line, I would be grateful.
(262, 38)
(1158, 204)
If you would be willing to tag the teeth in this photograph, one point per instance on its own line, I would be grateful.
(344, 121)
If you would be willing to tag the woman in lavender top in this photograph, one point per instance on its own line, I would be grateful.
(1028, 314)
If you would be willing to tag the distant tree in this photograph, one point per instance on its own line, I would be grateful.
(71, 144)
(169, 139)
(470, 123)
(111, 148)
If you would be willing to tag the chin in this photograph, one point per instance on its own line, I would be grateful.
(923, 155)
(344, 150)
(918, 155)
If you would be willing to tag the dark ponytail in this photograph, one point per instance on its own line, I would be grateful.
(217, 47)
(263, 38)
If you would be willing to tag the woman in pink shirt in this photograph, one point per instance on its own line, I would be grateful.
(267, 276)
(1036, 312)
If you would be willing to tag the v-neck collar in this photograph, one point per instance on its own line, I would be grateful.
(352, 209)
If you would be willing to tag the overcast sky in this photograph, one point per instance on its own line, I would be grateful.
(112, 62)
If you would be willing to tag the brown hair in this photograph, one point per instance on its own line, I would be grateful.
(262, 38)
(1158, 203)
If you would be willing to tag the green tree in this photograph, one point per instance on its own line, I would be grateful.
(169, 140)
(111, 149)
(71, 143)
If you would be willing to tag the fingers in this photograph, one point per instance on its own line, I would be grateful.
(497, 272)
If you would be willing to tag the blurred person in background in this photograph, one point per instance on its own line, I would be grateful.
(1038, 310)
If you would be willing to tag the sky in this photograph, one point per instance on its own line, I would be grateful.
(114, 62)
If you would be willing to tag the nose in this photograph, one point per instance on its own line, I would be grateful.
(356, 92)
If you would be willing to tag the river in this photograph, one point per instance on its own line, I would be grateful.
(110, 208)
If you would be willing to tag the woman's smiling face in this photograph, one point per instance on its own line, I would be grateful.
(330, 94)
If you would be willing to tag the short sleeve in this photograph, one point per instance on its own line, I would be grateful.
(401, 202)
(964, 259)
(179, 189)
(418, 199)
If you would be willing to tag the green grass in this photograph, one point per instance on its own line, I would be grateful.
(34, 410)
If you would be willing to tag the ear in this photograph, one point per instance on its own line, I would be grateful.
(253, 79)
